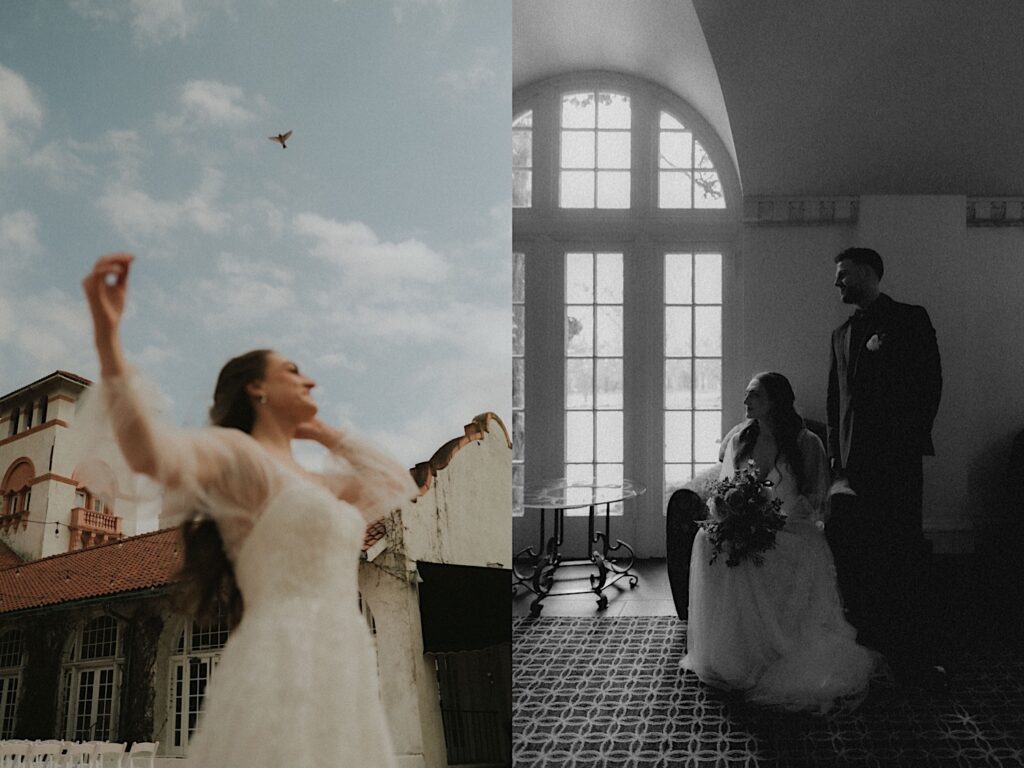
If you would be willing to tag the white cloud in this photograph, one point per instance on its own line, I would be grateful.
(153, 356)
(476, 76)
(136, 215)
(152, 21)
(47, 329)
(127, 151)
(338, 360)
(159, 20)
(63, 169)
(206, 104)
(406, 10)
(258, 217)
(19, 238)
(21, 114)
(371, 266)
(246, 293)
(139, 217)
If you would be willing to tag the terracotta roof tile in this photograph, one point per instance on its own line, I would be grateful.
(374, 533)
(8, 557)
(128, 565)
(147, 561)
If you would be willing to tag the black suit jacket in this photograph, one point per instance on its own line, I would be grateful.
(883, 393)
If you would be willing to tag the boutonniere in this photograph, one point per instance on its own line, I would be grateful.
(875, 342)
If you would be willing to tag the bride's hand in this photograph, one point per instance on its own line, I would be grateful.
(106, 288)
(318, 431)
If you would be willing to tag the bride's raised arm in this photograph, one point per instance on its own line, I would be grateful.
(120, 410)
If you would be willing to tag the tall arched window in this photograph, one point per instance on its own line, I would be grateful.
(92, 681)
(17, 492)
(625, 207)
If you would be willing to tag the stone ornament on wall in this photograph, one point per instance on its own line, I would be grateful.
(768, 211)
(995, 212)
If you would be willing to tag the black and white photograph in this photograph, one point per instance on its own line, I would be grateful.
(768, 429)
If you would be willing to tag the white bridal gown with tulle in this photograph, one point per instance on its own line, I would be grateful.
(776, 631)
(296, 685)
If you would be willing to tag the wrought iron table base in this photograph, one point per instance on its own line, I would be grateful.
(541, 579)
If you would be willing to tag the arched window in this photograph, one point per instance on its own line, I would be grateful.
(17, 492)
(522, 160)
(196, 654)
(12, 659)
(626, 205)
(92, 681)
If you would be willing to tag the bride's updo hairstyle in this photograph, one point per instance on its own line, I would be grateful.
(207, 576)
(786, 424)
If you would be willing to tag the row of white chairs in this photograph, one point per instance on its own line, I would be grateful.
(54, 753)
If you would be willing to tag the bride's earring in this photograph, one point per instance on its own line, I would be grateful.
(263, 400)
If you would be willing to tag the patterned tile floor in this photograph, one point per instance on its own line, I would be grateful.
(608, 691)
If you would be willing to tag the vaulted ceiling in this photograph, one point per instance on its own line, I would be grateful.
(816, 96)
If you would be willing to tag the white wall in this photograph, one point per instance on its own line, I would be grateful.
(969, 281)
(463, 519)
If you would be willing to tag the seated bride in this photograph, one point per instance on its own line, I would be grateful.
(765, 617)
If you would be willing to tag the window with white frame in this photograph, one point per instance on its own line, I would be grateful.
(92, 681)
(595, 150)
(634, 197)
(196, 653)
(593, 368)
(518, 380)
(693, 364)
(12, 659)
(686, 176)
(522, 161)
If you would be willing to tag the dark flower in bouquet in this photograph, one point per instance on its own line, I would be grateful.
(745, 516)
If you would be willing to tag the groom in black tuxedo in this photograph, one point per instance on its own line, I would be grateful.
(883, 393)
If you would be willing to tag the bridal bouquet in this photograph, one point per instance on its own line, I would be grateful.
(746, 516)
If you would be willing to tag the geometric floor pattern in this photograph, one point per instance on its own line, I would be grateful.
(591, 692)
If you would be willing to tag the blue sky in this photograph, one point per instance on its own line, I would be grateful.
(373, 250)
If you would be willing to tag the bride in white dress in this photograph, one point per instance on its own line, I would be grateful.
(297, 681)
(776, 631)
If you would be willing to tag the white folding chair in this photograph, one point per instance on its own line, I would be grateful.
(142, 754)
(46, 754)
(14, 754)
(108, 754)
(78, 755)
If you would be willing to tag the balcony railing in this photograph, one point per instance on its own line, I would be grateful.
(89, 528)
(90, 520)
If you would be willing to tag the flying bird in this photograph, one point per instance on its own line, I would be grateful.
(281, 138)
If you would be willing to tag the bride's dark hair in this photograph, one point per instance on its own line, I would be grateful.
(786, 424)
(207, 578)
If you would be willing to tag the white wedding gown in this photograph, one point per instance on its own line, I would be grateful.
(776, 631)
(296, 685)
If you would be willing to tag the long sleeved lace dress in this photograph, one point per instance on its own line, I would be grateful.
(297, 683)
(776, 631)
